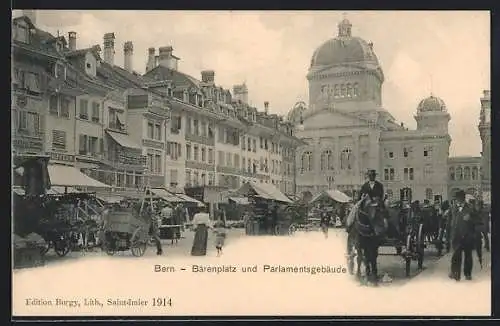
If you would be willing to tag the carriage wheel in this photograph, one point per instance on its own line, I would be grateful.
(408, 253)
(420, 246)
(292, 229)
(138, 248)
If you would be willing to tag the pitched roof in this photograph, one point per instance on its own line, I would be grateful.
(180, 79)
(39, 41)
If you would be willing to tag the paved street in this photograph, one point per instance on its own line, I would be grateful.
(260, 292)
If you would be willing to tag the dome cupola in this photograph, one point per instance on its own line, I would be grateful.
(431, 104)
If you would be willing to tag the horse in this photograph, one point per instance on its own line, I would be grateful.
(365, 233)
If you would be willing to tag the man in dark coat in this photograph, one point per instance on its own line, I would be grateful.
(462, 237)
(372, 188)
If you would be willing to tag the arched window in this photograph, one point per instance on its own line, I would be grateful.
(467, 173)
(428, 194)
(330, 165)
(452, 173)
(346, 159)
(459, 173)
(342, 91)
(355, 90)
(336, 91)
(306, 161)
(349, 90)
(474, 173)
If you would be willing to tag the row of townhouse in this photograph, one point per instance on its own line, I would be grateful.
(163, 128)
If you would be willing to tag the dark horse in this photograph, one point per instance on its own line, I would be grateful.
(365, 235)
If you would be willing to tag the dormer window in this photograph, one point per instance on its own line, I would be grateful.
(60, 71)
(22, 32)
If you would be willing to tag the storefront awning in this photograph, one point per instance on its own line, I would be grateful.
(334, 194)
(264, 190)
(110, 199)
(123, 140)
(164, 194)
(240, 200)
(68, 176)
(186, 199)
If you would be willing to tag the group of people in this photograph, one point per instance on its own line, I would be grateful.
(467, 225)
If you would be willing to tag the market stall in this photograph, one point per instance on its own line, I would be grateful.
(267, 215)
(333, 202)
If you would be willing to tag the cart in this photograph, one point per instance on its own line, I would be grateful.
(124, 230)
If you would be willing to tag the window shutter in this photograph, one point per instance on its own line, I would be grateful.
(101, 145)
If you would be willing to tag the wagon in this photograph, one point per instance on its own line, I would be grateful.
(124, 230)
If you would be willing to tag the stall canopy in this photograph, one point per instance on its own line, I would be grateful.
(123, 140)
(186, 199)
(54, 190)
(164, 194)
(264, 190)
(239, 200)
(334, 194)
(68, 176)
(109, 198)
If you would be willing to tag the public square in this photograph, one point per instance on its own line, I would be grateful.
(97, 275)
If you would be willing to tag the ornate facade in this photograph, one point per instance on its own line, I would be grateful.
(485, 133)
(349, 131)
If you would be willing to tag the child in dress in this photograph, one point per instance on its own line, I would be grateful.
(220, 235)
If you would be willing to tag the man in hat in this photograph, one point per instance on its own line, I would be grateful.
(462, 237)
(373, 188)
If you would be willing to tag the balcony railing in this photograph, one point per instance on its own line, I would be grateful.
(204, 140)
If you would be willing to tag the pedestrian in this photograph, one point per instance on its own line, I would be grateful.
(220, 236)
(153, 217)
(201, 223)
(462, 237)
(324, 222)
(484, 216)
(445, 223)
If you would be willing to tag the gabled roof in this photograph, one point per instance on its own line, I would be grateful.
(39, 41)
(179, 79)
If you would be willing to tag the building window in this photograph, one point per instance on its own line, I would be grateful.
(210, 156)
(84, 110)
(175, 126)
(254, 149)
(204, 129)
(407, 152)
(53, 105)
(249, 144)
(151, 131)
(307, 162)
(29, 123)
(188, 126)
(474, 173)
(428, 172)
(203, 154)
(157, 131)
(196, 127)
(452, 173)
(236, 161)
(459, 174)
(65, 102)
(188, 177)
(343, 91)
(408, 174)
(346, 159)
(349, 90)
(428, 194)
(196, 178)
(60, 71)
(211, 179)
(390, 194)
(389, 174)
(229, 159)
(243, 164)
(158, 164)
(391, 154)
(221, 134)
(58, 139)
(221, 158)
(196, 155)
(188, 152)
(95, 111)
(355, 90)
(428, 151)
(467, 173)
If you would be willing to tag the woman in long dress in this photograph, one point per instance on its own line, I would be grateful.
(201, 223)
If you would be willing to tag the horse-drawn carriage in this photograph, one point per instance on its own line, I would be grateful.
(124, 230)
(369, 230)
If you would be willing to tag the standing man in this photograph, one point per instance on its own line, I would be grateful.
(154, 217)
(462, 237)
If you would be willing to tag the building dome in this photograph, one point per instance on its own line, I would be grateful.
(431, 104)
(344, 49)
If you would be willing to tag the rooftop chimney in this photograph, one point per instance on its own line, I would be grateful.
(128, 51)
(208, 76)
(166, 58)
(151, 59)
(72, 41)
(109, 48)
(266, 107)
(31, 14)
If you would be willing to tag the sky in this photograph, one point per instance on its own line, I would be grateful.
(446, 53)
